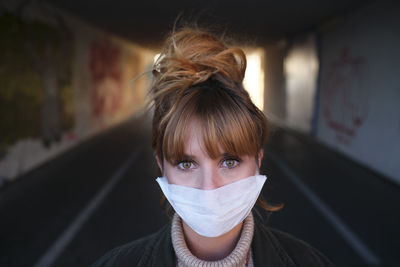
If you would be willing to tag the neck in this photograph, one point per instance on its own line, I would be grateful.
(211, 248)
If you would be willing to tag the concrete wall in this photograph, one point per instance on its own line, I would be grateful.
(359, 88)
(341, 83)
(274, 90)
(291, 70)
(301, 71)
(62, 82)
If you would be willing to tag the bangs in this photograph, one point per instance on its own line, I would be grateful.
(225, 123)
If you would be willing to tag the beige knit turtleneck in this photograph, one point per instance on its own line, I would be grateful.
(239, 257)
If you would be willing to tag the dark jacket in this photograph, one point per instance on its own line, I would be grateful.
(270, 247)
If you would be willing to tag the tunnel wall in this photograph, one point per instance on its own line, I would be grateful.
(340, 83)
(359, 89)
(291, 72)
(300, 72)
(274, 91)
(62, 82)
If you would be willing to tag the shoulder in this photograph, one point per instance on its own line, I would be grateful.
(302, 253)
(138, 252)
(282, 249)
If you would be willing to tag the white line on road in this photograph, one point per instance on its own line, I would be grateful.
(362, 250)
(59, 245)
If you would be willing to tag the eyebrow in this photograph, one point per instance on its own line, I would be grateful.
(188, 157)
(229, 155)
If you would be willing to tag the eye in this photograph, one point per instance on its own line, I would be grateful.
(185, 165)
(230, 163)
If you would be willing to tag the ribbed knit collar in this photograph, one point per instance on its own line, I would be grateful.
(240, 256)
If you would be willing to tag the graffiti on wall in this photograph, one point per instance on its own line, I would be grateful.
(106, 75)
(345, 96)
(61, 81)
(36, 97)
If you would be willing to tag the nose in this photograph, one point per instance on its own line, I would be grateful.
(210, 178)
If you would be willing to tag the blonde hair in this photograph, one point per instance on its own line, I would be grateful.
(197, 77)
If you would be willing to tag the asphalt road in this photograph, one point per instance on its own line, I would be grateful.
(102, 193)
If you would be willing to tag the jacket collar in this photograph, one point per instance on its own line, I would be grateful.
(266, 249)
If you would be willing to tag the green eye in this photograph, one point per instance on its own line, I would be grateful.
(230, 163)
(184, 165)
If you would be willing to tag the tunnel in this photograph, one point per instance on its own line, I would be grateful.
(77, 168)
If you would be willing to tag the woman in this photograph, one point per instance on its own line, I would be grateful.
(208, 138)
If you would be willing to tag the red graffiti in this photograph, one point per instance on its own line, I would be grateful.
(345, 98)
(105, 68)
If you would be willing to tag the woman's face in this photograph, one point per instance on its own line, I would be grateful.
(200, 171)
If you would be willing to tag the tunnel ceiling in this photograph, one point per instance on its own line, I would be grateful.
(148, 21)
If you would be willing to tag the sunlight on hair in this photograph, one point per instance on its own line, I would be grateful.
(254, 77)
(156, 57)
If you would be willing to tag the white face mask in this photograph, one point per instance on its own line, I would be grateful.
(212, 213)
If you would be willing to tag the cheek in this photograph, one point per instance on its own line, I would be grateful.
(189, 179)
(244, 173)
(249, 167)
(175, 176)
(168, 170)
(246, 169)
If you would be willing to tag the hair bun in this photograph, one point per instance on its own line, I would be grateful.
(191, 56)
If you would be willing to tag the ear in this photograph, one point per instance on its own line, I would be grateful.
(260, 157)
(159, 163)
